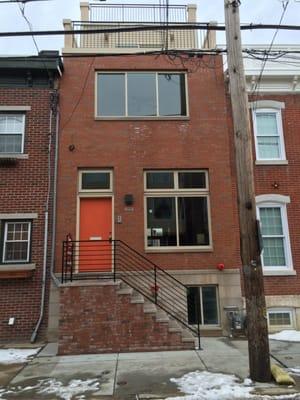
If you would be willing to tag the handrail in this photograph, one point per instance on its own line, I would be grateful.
(83, 258)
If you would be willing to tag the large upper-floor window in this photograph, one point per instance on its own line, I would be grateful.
(276, 254)
(12, 128)
(268, 131)
(177, 210)
(141, 94)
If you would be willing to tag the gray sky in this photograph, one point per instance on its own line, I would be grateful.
(49, 15)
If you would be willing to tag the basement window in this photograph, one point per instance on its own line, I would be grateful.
(202, 304)
(282, 318)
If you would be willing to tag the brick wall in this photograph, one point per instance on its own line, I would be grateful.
(95, 319)
(129, 147)
(23, 189)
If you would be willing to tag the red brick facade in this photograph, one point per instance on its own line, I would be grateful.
(130, 146)
(110, 322)
(23, 190)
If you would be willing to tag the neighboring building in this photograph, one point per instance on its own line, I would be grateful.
(145, 159)
(28, 109)
(275, 111)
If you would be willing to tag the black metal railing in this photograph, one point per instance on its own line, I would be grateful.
(150, 36)
(138, 13)
(114, 259)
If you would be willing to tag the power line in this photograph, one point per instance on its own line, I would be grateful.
(137, 28)
(256, 87)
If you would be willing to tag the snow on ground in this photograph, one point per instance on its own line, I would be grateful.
(76, 387)
(215, 386)
(294, 371)
(287, 335)
(15, 356)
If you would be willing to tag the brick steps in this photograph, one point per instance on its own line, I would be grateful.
(110, 317)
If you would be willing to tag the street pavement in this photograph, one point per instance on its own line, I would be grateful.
(136, 376)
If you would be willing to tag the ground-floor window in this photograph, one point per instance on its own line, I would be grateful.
(16, 241)
(281, 318)
(202, 304)
(177, 209)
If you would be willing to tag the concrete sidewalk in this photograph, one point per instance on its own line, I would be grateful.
(139, 375)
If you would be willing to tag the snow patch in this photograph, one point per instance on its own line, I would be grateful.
(215, 386)
(211, 386)
(15, 356)
(286, 335)
(294, 371)
(74, 389)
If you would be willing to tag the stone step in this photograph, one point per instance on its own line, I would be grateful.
(150, 308)
(125, 291)
(137, 299)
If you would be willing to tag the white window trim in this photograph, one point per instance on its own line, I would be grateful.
(287, 246)
(95, 171)
(22, 133)
(275, 310)
(5, 241)
(175, 193)
(126, 116)
(277, 112)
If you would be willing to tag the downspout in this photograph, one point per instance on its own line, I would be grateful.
(46, 223)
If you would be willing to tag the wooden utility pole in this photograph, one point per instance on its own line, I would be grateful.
(258, 344)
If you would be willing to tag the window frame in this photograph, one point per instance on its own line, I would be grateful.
(139, 117)
(175, 193)
(278, 113)
(95, 171)
(201, 305)
(274, 310)
(286, 238)
(4, 241)
(17, 113)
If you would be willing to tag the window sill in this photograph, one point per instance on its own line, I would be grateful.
(14, 156)
(178, 250)
(14, 271)
(271, 162)
(279, 272)
(179, 118)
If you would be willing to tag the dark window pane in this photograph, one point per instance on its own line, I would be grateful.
(193, 305)
(160, 180)
(193, 221)
(111, 95)
(192, 180)
(172, 99)
(16, 251)
(141, 94)
(95, 180)
(161, 223)
(210, 306)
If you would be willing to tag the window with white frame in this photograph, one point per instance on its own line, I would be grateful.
(202, 305)
(276, 252)
(280, 317)
(12, 128)
(269, 141)
(16, 242)
(177, 210)
(141, 94)
(95, 181)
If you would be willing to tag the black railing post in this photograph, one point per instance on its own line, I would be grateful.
(114, 258)
(155, 284)
(72, 260)
(198, 324)
(63, 262)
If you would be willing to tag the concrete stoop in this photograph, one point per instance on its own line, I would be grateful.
(104, 317)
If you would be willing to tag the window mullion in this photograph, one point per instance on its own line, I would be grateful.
(126, 94)
(157, 95)
(177, 221)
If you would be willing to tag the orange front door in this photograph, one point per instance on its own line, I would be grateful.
(95, 251)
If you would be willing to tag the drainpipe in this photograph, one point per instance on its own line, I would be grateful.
(46, 223)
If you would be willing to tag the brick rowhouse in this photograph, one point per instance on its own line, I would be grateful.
(27, 90)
